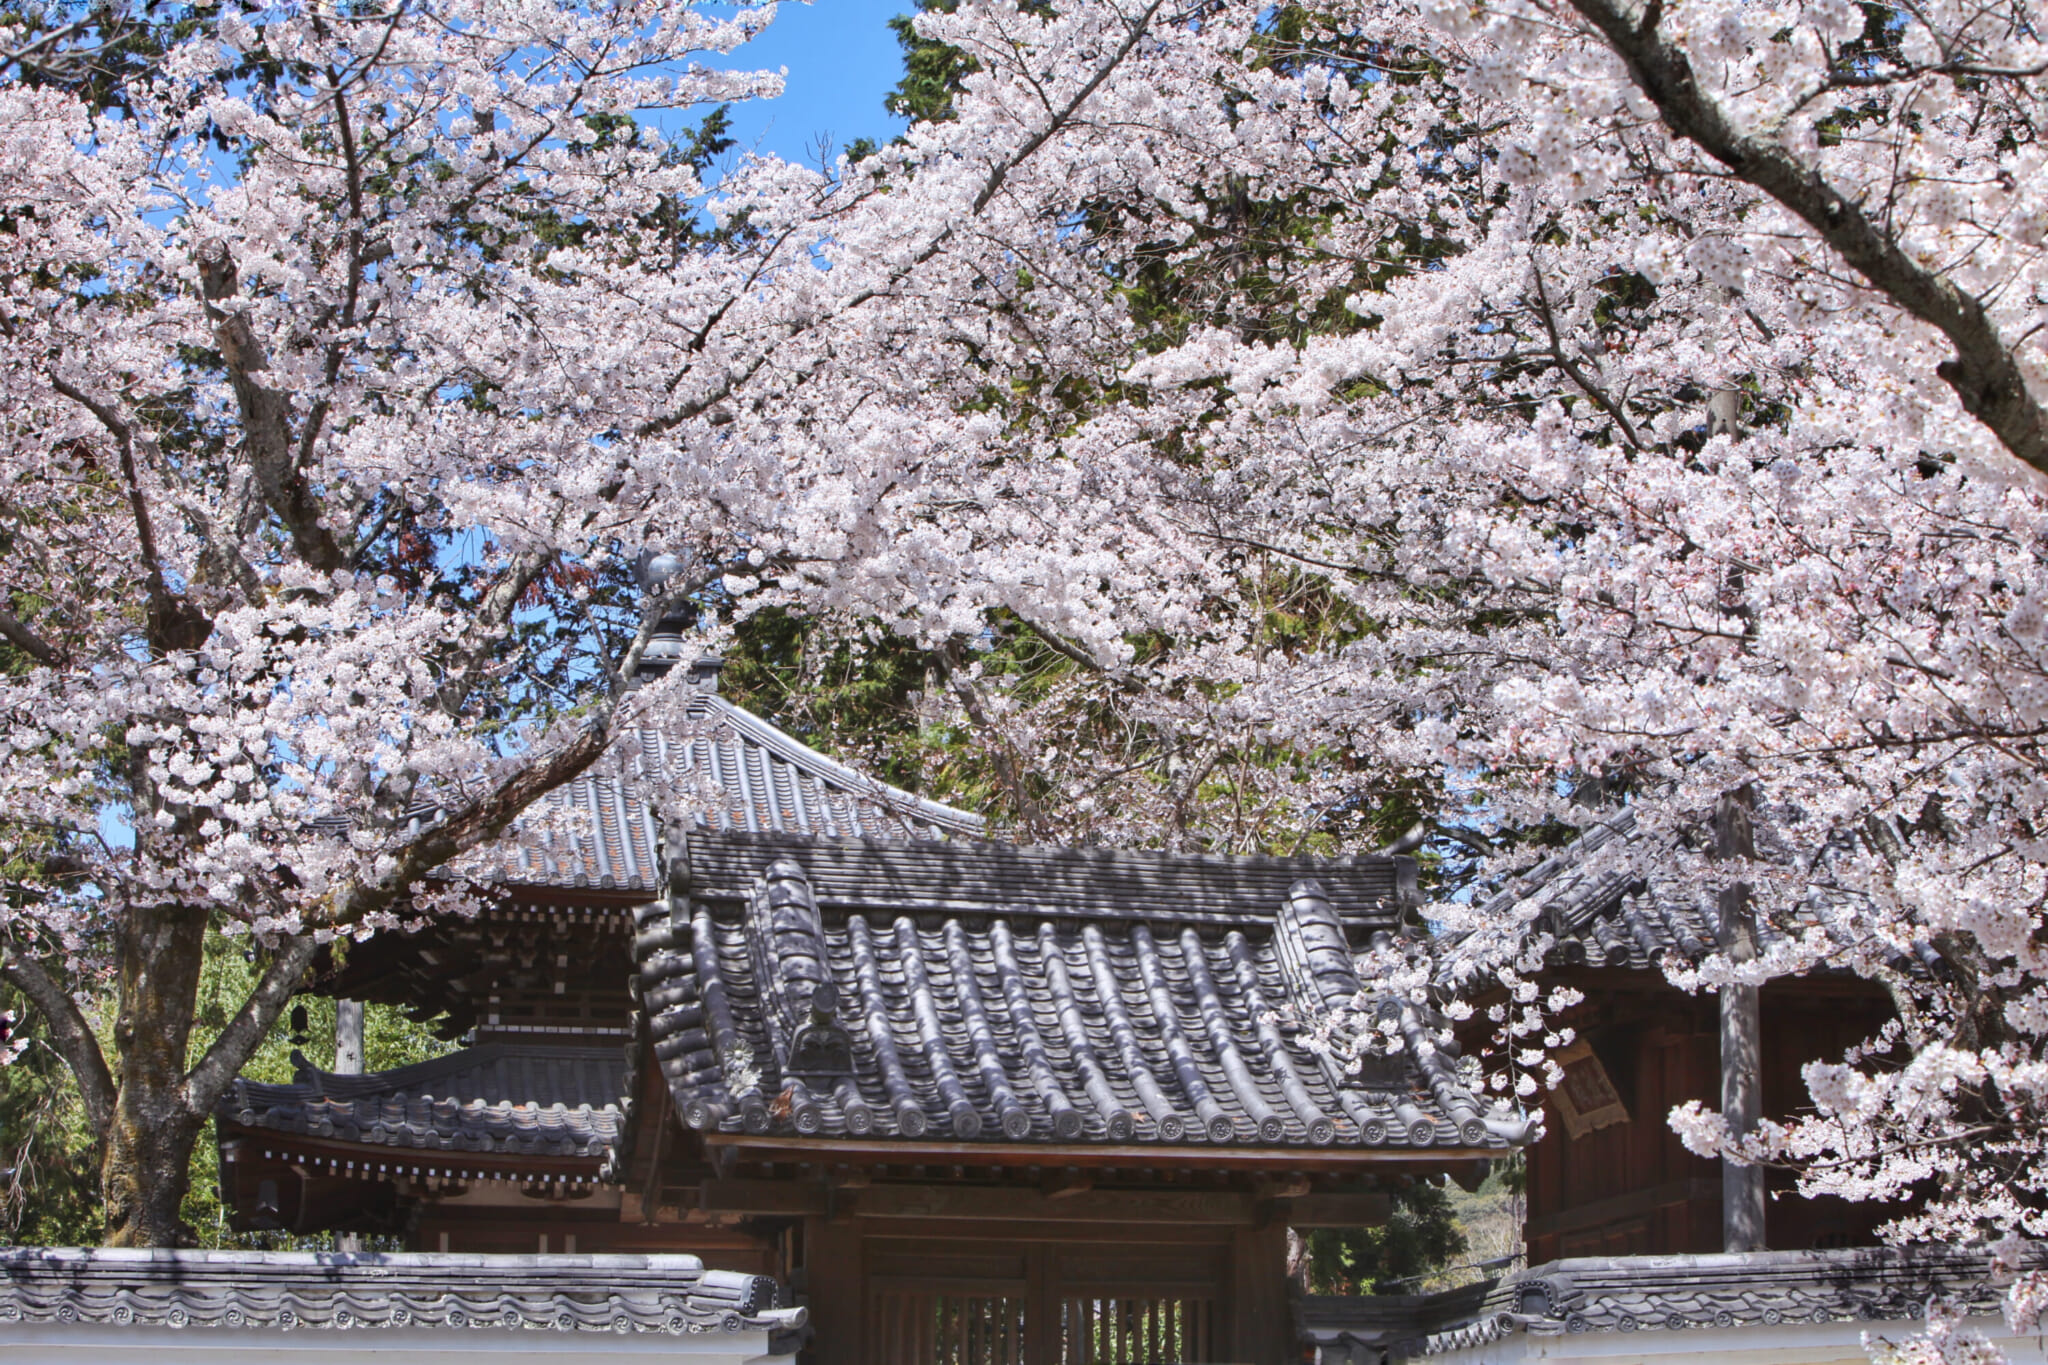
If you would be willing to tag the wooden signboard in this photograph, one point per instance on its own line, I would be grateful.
(1587, 1101)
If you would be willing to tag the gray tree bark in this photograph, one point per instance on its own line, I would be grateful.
(1742, 1187)
(348, 1037)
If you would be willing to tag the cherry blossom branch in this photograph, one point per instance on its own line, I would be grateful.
(70, 1034)
(266, 415)
(491, 617)
(21, 56)
(1571, 367)
(27, 641)
(232, 1047)
(1983, 372)
(174, 622)
(1008, 770)
(1138, 28)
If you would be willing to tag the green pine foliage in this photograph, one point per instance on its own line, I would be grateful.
(1420, 1239)
(932, 71)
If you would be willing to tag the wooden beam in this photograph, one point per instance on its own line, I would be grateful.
(791, 1198)
(1624, 1207)
(1065, 1184)
(1339, 1211)
(1101, 1206)
(787, 1197)
(1221, 1156)
(1280, 1187)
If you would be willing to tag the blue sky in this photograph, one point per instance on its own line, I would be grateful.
(842, 59)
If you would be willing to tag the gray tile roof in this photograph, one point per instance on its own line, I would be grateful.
(295, 1289)
(1603, 910)
(538, 1101)
(977, 992)
(737, 770)
(1653, 1293)
(1599, 915)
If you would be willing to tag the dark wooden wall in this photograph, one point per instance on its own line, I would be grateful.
(1632, 1188)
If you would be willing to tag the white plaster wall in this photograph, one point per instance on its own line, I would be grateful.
(96, 1344)
(1824, 1343)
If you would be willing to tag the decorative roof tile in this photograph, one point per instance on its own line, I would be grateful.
(538, 1101)
(294, 1289)
(975, 992)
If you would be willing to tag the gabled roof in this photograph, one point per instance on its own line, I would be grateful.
(731, 768)
(273, 1290)
(535, 1101)
(910, 994)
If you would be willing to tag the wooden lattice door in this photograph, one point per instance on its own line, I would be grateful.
(947, 1323)
(1173, 1329)
(1038, 1303)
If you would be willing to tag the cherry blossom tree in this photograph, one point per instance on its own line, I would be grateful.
(328, 445)
(1644, 404)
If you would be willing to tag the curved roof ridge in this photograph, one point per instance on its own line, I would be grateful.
(828, 769)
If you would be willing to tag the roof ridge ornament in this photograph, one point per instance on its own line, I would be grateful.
(1322, 978)
(786, 943)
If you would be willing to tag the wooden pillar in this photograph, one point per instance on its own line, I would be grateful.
(1742, 1187)
(348, 1037)
(1260, 1325)
(835, 1290)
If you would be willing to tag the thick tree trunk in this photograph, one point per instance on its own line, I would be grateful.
(147, 1172)
(147, 1167)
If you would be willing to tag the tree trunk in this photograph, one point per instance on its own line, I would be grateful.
(147, 1167)
(147, 1172)
(348, 1037)
(1742, 1187)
